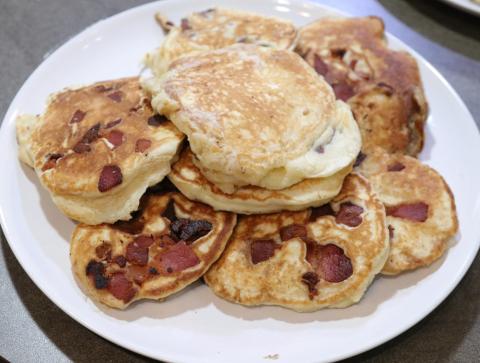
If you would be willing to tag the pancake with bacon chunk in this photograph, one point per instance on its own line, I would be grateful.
(98, 148)
(308, 260)
(420, 207)
(382, 86)
(168, 244)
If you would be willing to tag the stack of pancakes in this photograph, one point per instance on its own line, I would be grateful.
(309, 135)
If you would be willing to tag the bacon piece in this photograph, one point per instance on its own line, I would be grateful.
(120, 260)
(324, 210)
(51, 161)
(115, 137)
(101, 88)
(311, 279)
(78, 116)
(176, 258)
(156, 120)
(133, 226)
(81, 148)
(292, 231)
(137, 250)
(319, 65)
(349, 214)
(262, 249)
(360, 157)
(184, 24)
(121, 287)
(183, 229)
(338, 52)
(96, 271)
(90, 136)
(113, 123)
(110, 177)
(343, 91)
(397, 166)
(391, 231)
(142, 145)
(116, 96)
(329, 261)
(102, 250)
(416, 212)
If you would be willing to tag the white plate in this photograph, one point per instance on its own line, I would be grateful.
(465, 5)
(196, 326)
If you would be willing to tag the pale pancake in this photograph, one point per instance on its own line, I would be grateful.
(188, 178)
(256, 116)
(97, 149)
(285, 276)
(119, 264)
(217, 28)
(382, 86)
(404, 181)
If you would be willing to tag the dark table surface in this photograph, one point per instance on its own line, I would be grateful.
(33, 329)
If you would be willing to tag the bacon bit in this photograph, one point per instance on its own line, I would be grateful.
(319, 65)
(185, 25)
(391, 231)
(133, 226)
(101, 88)
(338, 52)
(96, 270)
(397, 166)
(102, 250)
(78, 116)
(113, 123)
(329, 261)
(343, 91)
(110, 177)
(120, 260)
(320, 149)
(176, 258)
(183, 229)
(116, 96)
(137, 251)
(292, 231)
(81, 148)
(324, 210)
(115, 138)
(139, 274)
(349, 214)
(142, 145)
(262, 249)
(156, 120)
(311, 279)
(360, 158)
(121, 287)
(166, 240)
(169, 211)
(51, 161)
(90, 136)
(416, 212)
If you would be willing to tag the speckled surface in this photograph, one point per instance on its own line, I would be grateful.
(32, 329)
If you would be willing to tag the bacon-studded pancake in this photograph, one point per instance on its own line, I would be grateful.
(420, 207)
(188, 178)
(98, 148)
(308, 260)
(217, 28)
(168, 244)
(382, 86)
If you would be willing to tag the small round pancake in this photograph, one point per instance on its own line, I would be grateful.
(169, 244)
(305, 261)
(256, 116)
(382, 86)
(420, 207)
(218, 28)
(188, 178)
(97, 149)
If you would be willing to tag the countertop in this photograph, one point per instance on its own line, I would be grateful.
(33, 329)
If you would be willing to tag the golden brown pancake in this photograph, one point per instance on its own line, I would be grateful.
(308, 260)
(281, 126)
(97, 149)
(382, 86)
(217, 28)
(169, 243)
(420, 207)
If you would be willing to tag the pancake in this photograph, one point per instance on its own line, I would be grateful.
(282, 125)
(96, 149)
(217, 28)
(188, 178)
(421, 212)
(169, 244)
(308, 260)
(382, 86)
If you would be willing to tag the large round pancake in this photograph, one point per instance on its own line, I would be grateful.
(256, 115)
(217, 28)
(188, 178)
(139, 259)
(346, 250)
(382, 86)
(420, 230)
(97, 149)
